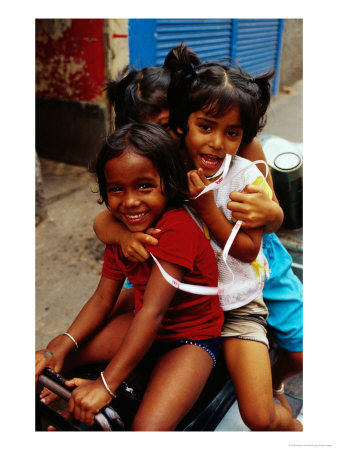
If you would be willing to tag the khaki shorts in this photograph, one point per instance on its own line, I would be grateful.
(247, 322)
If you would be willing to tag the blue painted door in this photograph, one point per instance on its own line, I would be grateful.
(254, 43)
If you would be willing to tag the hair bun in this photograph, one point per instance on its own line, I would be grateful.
(181, 59)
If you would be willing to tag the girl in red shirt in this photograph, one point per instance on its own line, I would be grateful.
(143, 183)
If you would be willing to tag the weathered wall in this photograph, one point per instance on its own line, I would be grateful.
(117, 53)
(71, 116)
(70, 59)
(291, 69)
(117, 45)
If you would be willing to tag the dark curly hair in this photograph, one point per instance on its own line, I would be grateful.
(153, 142)
(138, 94)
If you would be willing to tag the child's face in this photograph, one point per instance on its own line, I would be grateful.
(134, 191)
(209, 139)
(162, 119)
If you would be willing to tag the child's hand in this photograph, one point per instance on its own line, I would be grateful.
(197, 181)
(47, 358)
(53, 356)
(253, 206)
(132, 244)
(87, 399)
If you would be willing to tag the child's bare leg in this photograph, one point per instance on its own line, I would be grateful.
(124, 303)
(286, 365)
(249, 367)
(175, 385)
(103, 345)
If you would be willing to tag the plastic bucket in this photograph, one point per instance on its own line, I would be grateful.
(286, 164)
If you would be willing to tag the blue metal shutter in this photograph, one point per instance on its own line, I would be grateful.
(254, 43)
(257, 46)
(209, 38)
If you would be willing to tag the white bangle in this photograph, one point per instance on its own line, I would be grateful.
(107, 387)
(279, 391)
(71, 337)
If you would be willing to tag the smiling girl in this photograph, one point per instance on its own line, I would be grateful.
(143, 184)
(216, 110)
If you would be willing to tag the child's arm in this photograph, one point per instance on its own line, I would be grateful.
(92, 395)
(253, 206)
(110, 231)
(247, 242)
(87, 321)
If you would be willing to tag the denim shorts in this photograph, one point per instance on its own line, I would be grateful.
(211, 346)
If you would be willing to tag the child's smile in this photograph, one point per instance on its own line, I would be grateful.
(209, 138)
(134, 191)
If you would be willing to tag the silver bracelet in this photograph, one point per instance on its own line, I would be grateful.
(107, 387)
(279, 391)
(71, 337)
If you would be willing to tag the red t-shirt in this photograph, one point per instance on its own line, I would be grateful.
(181, 242)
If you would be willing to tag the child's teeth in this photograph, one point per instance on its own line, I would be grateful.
(210, 160)
(136, 216)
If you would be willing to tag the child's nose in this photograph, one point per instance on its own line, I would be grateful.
(217, 142)
(131, 200)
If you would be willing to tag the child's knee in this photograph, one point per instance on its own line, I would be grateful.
(153, 419)
(148, 424)
(260, 419)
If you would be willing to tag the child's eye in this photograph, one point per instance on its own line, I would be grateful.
(205, 127)
(114, 189)
(145, 186)
(165, 126)
(233, 133)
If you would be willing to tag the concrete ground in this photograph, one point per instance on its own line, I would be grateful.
(69, 256)
(285, 114)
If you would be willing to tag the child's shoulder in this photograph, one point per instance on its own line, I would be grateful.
(243, 167)
(174, 216)
(178, 220)
(239, 162)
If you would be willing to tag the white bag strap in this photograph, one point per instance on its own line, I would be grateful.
(238, 224)
(191, 288)
(207, 290)
(223, 170)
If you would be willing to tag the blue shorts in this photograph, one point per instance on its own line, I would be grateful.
(211, 346)
(283, 295)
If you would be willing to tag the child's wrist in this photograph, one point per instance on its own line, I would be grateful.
(62, 344)
(206, 208)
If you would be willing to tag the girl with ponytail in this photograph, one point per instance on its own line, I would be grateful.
(217, 110)
(139, 96)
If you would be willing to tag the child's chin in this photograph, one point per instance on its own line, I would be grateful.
(135, 228)
(209, 172)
